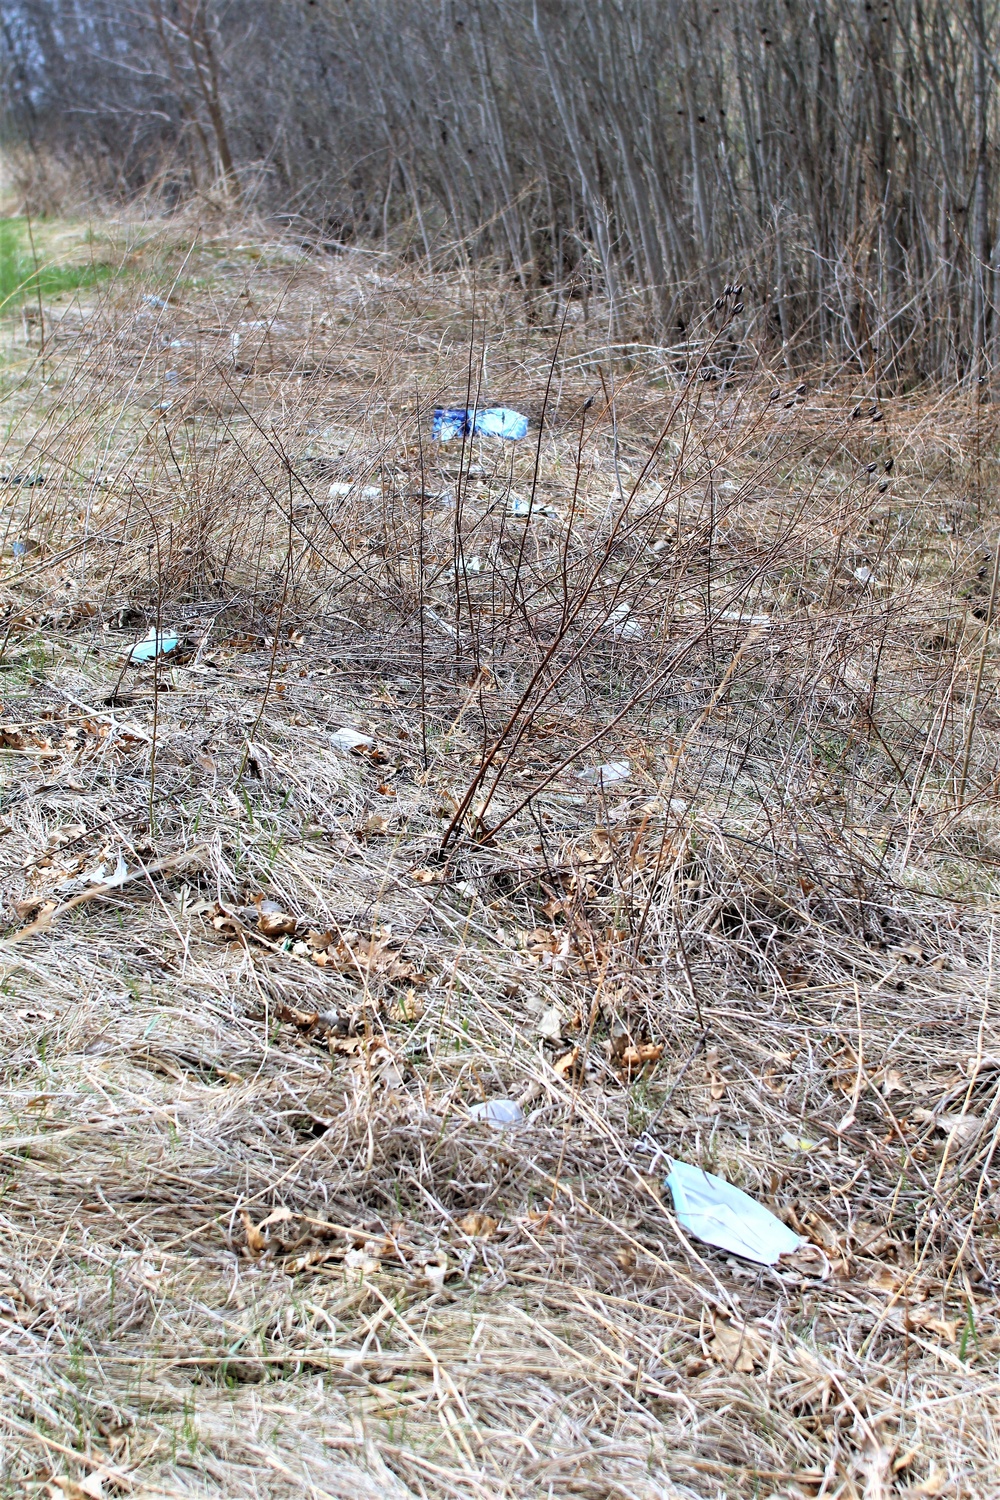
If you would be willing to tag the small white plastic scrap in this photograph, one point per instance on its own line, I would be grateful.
(724, 1216)
(615, 770)
(342, 487)
(498, 1112)
(350, 739)
(624, 625)
(525, 509)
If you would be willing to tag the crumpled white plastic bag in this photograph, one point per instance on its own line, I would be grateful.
(722, 1215)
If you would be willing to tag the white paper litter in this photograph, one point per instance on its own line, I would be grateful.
(724, 1216)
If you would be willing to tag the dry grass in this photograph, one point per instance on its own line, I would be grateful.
(253, 1241)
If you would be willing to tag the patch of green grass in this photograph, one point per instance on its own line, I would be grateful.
(27, 272)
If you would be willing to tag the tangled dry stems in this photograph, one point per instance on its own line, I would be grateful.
(254, 1241)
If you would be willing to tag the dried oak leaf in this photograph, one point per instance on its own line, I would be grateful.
(715, 1080)
(739, 1348)
(935, 1484)
(637, 1056)
(303, 1020)
(272, 920)
(410, 1005)
(570, 1066)
(225, 922)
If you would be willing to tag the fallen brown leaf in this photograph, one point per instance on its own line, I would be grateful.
(739, 1348)
(925, 1319)
(477, 1226)
(932, 1486)
(256, 1243)
(272, 921)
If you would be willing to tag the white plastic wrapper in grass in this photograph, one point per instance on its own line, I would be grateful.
(527, 509)
(607, 775)
(624, 626)
(350, 739)
(722, 1215)
(500, 1113)
(341, 488)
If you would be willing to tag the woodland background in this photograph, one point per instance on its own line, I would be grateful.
(839, 157)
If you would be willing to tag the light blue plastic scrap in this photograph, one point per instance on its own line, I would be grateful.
(153, 645)
(501, 422)
(721, 1215)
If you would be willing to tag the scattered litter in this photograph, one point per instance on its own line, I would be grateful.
(615, 770)
(498, 1112)
(724, 1216)
(342, 487)
(864, 575)
(152, 301)
(350, 739)
(451, 422)
(153, 645)
(624, 625)
(523, 508)
(172, 377)
(25, 547)
(27, 481)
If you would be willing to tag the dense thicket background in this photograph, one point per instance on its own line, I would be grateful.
(838, 157)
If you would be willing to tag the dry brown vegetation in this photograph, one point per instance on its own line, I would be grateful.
(254, 1239)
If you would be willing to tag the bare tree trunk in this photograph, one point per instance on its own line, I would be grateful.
(982, 271)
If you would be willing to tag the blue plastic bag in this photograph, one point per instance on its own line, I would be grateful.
(451, 422)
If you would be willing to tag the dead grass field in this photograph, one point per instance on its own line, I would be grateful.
(252, 1240)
